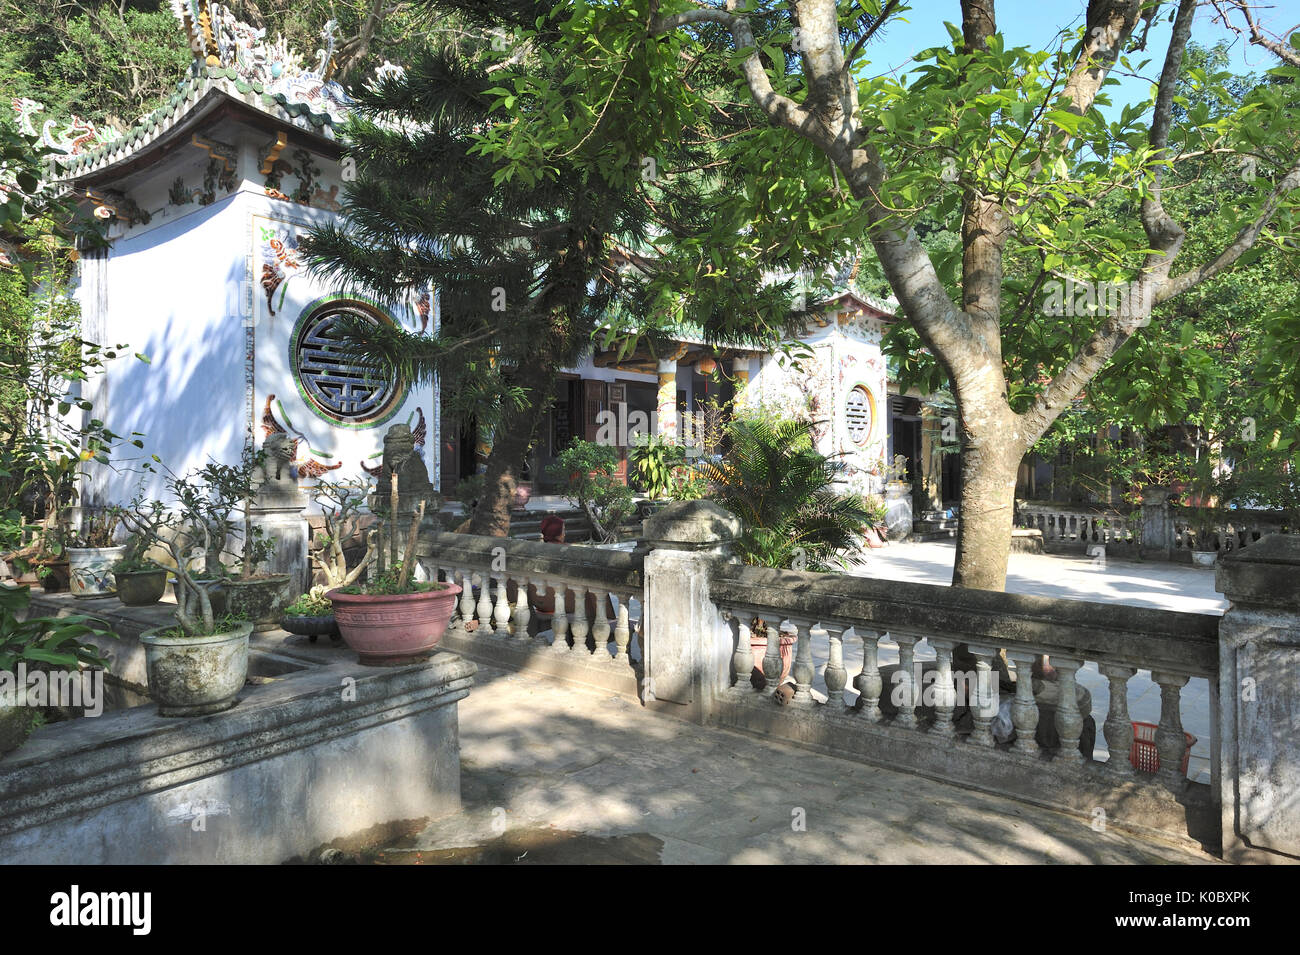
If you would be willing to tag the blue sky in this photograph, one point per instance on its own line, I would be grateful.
(1035, 23)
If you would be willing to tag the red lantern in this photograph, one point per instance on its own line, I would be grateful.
(705, 366)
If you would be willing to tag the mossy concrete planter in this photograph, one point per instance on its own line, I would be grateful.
(140, 588)
(91, 570)
(1204, 558)
(16, 724)
(194, 676)
(259, 599)
(394, 629)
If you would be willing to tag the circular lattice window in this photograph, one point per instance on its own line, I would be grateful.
(333, 382)
(859, 412)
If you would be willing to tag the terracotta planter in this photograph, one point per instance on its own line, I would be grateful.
(194, 676)
(393, 629)
(91, 570)
(873, 537)
(140, 588)
(258, 599)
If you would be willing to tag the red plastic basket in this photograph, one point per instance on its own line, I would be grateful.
(1143, 755)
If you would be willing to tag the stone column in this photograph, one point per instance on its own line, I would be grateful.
(740, 376)
(1157, 524)
(1258, 751)
(666, 400)
(930, 496)
(687, 646)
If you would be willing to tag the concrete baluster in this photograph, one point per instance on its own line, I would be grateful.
(906, 684)
(1069, 721)
(1171, 741)
(945, 694)
(869, 682)
(600, 628)
(835, 675)
(1118, 728)
(1024, 709)
(560, 620)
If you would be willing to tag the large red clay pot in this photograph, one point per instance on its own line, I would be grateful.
(393, 629)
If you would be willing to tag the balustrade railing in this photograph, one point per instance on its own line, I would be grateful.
(1065, 525)
(504, 582)
(986, 632)
(1240, 530)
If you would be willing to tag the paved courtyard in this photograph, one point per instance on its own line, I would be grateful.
(554, 773)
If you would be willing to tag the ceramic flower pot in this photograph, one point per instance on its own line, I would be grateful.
(91, 570)
(140, 588)
(194, 676)
(259, 599)
(393, 629)
(311, 626)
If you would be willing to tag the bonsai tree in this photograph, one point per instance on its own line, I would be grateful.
(783, 489)
(341, 505)
(98, 530)
(205, 501)
(589, 472)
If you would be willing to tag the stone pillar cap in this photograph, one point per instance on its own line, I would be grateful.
(1267, 572)
(691, 525)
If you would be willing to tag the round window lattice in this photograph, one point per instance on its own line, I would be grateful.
(334, 385)
(860, 412)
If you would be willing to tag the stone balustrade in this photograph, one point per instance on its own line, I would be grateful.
(1080, 525)
(496, 621)
(967, 700)
(1240, 530)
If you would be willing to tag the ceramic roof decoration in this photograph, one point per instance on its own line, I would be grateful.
(231, 58)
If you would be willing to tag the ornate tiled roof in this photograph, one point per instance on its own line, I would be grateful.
(231, 60)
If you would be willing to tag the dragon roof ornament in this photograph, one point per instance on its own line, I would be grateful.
(219, 40)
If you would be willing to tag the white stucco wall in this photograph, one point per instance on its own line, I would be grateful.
(186, 290)
(814, 383)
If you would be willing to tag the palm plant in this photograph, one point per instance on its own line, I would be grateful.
(783, 489)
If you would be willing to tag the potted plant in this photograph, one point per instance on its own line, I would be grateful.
(312, 614)
(37, 643)
(199, 665)
(876, 527)
(140, 581)
(92, 554)
(394, 619)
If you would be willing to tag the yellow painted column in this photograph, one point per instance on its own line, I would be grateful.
(666, 400)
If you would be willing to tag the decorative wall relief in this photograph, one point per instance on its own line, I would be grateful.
(307, 466)
(306, 171)
(320, 199)
(280, 262)
(179, 195)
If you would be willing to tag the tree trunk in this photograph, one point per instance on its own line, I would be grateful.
(506, 460)
(988, 489)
